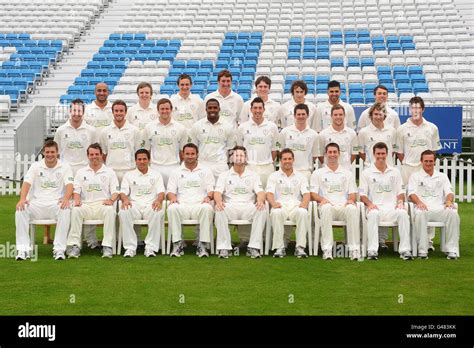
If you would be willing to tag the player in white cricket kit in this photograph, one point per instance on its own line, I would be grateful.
(381, 190)
(119, 141)
(260, 137)
(45, 194)
(144, 111)
(230, 102)
(142, 193)
(334, 188)
(239, 195)
(301, 140)
(190, 191)
(377, 131)
(98, 114)
(185, 104)
(214, 138)
(288, 194)
(96, 188)
(323, 116)
(342, 135)
(74, 136)
(165, 138)
(381, 96)
(286, 113)
(262, 86)
(415, 136)
(433, 197)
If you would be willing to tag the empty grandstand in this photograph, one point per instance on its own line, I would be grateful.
(54, 51)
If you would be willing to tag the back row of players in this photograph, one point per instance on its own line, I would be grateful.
(261, 125)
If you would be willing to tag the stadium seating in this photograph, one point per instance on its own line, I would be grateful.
(417, 47)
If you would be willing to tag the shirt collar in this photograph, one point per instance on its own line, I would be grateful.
(338, 169)
(42, 164)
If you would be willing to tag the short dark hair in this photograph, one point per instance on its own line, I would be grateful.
(50, 143)
(224, 73)
(213, 100)
(239, 147)
(332, 145)
(184, 77)
(380, 145)
(301, 107)
(140, 151)
(418, 100)
(192, 145)
(164, 101)
(426, 153)
(95, 146)
(264, 79)
(287, 150)
(143, 85)
(299, 83)
(119, 102)
(334, 83)
(77, 101)
(338, 107)
(257, 100)
(380, 87)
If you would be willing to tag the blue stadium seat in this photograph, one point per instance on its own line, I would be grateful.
(369, 98)
(395, 46)
(321, 88)
(322, 79)
(322, 55)
(356, 98)
(404, 88)
(401, 78)
(337, 62)
(367, 62)
(408, 46)
(420, 87)
(400, 69)
(414, 69)
(144, 50)
(351, 61)
(115, 36)
(207, 64)
(417, 78)
(350, 40)
(294, 55)
(149, 43)
(355, 88)
(179, 64)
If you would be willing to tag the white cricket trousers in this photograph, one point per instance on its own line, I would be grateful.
(92, 211)
(263, 171)
(449, 216)
(373, 220)
(155, 224)
(240, 211)
(36, 210)
(293, 212)
(349, 214)
(165, 171)
(407, 171)
(203, 212)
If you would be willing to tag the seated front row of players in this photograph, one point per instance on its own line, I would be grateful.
(238, 195)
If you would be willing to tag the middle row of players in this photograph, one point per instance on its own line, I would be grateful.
(165, 138)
